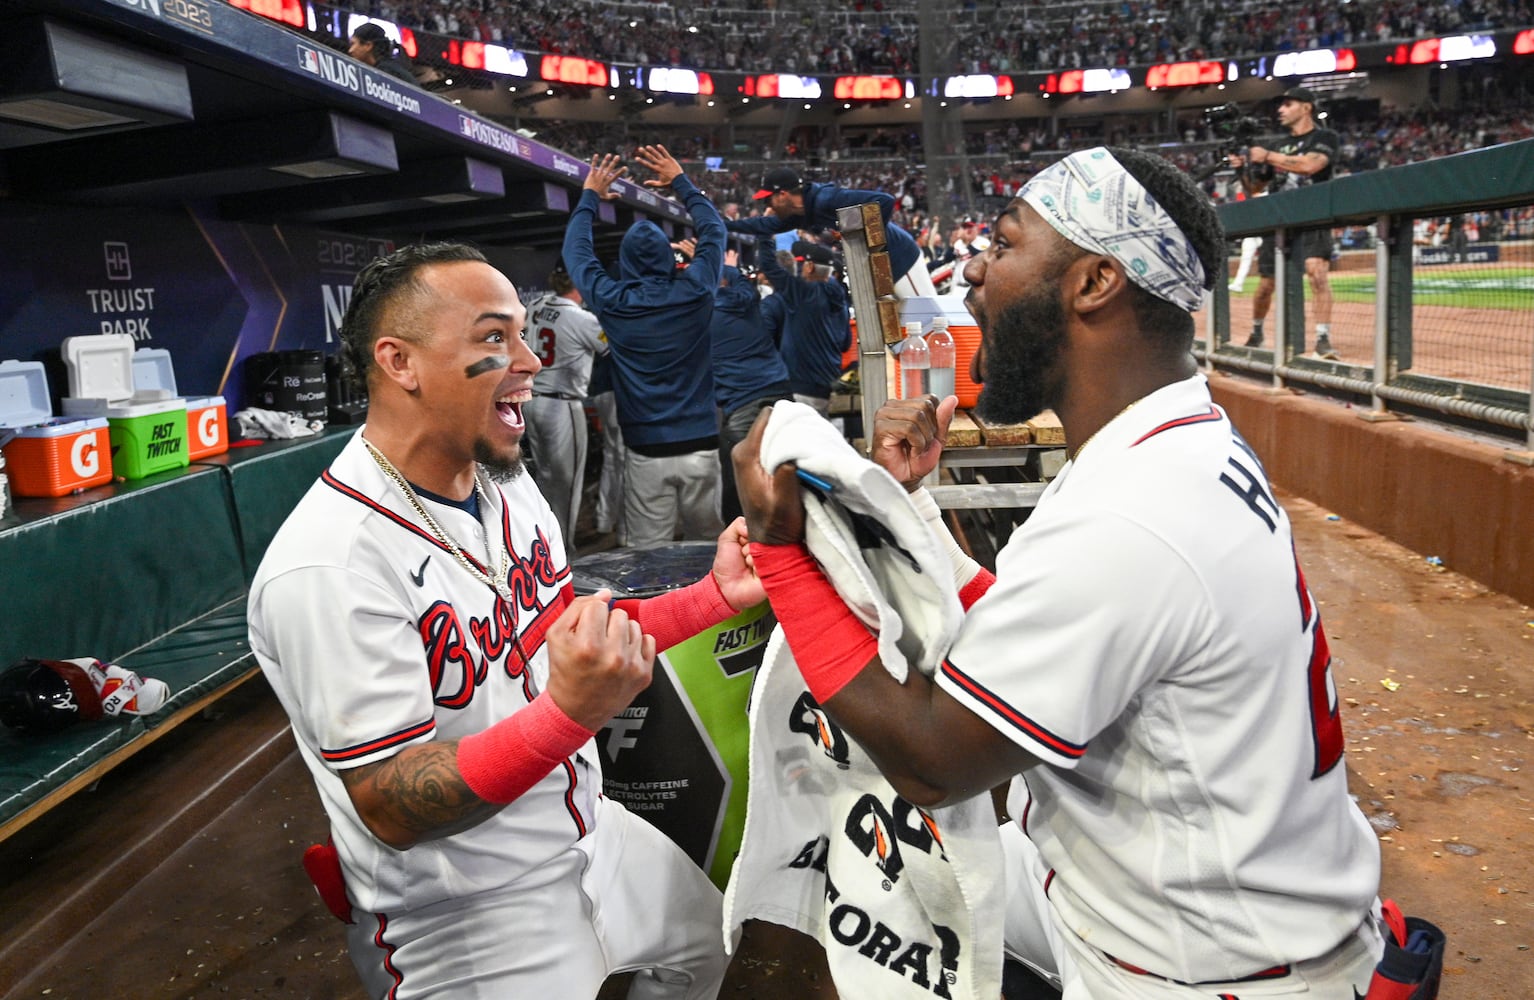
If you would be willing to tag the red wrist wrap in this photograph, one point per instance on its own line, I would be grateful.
(678, 615)
(502, 762)
(976, 588)
(828, 642)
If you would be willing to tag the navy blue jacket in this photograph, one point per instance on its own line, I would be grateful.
(820, 204)
(818, 329)
(747, 366)
(656, 319)
(774, 319)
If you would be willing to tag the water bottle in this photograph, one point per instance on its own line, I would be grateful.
(940, 349)
(913, 362)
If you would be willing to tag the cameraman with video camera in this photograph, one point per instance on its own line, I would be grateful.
(1305, 157)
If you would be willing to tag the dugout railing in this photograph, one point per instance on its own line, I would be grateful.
(1433, 299)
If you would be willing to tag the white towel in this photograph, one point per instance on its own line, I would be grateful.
(906, 902)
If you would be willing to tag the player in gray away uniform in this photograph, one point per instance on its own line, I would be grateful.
(415, 617)
(566, 339)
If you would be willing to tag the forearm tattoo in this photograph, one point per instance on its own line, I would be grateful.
(420, 790)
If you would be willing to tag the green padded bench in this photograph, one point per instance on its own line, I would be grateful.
(267, 480)
(150, 574)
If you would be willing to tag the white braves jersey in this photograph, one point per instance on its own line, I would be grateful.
(566, 339)
(1150, 639)
(375, 638)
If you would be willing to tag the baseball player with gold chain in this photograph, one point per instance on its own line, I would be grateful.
(415, 618)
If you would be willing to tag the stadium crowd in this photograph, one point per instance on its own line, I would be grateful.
(881, 36)
(1005, 154)
(999, 156)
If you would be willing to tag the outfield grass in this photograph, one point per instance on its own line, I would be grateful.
(1491, 286)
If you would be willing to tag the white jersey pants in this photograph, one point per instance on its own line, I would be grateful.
(556, 432)
(623, 899)
(661, 493)
(1035, 936)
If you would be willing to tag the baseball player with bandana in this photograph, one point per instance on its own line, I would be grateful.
(567, 339)
(416, 619)
(1147, 664)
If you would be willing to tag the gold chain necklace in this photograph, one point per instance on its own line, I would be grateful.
(1077, 453)
(497, 582)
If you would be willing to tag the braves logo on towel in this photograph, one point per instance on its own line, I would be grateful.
(902, 899)
(809, 719)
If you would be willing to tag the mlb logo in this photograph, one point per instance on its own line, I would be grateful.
(309, 59)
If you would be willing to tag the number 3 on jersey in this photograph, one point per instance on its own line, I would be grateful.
(543, 345)
(1325, 719)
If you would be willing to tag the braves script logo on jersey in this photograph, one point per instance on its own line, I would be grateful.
(456, 667)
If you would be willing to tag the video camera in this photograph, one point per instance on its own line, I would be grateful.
(1236, 131)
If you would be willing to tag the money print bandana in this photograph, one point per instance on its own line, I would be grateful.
(1091, 200)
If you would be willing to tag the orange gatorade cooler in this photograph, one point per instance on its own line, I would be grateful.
(207, 427)
(50, 456)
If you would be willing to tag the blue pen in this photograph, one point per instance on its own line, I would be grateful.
(813, 481)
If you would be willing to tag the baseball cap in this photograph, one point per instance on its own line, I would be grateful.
(369, 32)
(778, 179)
(1299, 94)
(814, 252)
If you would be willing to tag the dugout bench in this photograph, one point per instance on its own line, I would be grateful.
(150, 574)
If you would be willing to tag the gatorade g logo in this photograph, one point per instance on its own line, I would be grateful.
(808, 718)
(84, 457)
(878, 832)
(207, 427)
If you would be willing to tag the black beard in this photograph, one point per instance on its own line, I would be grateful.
(1021, 350)
(499, 468)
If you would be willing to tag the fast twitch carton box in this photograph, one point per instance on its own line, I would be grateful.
(49, 456)
(207, 420)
